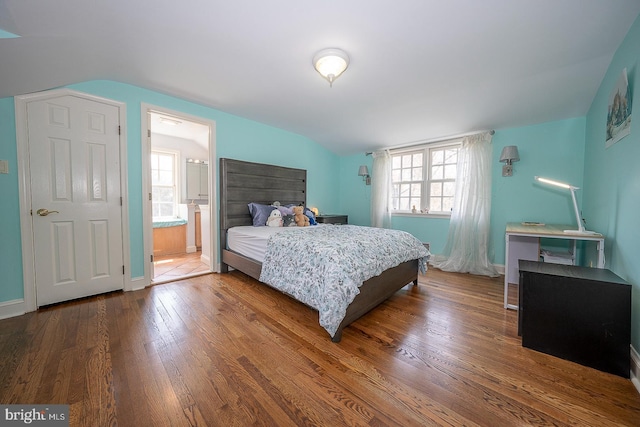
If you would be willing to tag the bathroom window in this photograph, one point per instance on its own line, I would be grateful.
(164, 184)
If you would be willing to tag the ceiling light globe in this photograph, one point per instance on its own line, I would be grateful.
(330, 63)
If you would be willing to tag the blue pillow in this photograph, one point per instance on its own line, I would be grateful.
(285, 210)
(259, 213)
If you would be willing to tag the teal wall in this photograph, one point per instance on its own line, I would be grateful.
(553, 150)
(612, 178)
(355, 195)
(235, 138)
(10, 257)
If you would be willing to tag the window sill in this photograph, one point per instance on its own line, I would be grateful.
(422, 215)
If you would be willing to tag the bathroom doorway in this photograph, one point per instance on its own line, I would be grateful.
(180, 183)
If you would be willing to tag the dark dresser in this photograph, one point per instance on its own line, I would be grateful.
(332, 219)
(576, 313)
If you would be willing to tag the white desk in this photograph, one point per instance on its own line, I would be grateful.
(523, 242)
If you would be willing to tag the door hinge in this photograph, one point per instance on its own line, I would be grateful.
(123, 269)
(120, 200)
(148, 133)
(119, 130)
(150, 198)
(151, 257)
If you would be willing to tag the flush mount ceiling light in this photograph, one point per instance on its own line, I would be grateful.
(330, 63)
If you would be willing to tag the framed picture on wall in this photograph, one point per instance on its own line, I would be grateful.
(619, 111)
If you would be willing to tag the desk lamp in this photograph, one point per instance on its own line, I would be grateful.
(573, 189)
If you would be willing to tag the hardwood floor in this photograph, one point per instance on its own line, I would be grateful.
(225, 350)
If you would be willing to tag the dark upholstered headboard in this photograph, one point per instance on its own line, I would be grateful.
(244, 182)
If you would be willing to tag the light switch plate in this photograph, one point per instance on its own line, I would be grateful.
(4, 166)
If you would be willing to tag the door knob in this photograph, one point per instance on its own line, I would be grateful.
(45, 212)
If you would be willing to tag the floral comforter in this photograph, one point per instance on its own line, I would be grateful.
(324, 266)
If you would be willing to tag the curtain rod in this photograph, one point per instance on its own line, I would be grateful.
(439, 139)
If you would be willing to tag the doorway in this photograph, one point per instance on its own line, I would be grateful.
(180, 184)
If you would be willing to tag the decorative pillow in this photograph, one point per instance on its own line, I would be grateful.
(259, 213)
(285, 210)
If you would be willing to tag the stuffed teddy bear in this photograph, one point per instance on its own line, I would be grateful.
(275, 219)
(301, 219)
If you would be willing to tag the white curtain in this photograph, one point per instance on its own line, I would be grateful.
(467, 245)
(380, 187)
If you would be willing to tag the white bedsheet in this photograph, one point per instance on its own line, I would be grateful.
(251, 241)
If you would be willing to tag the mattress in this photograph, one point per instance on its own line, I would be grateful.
(251, 241)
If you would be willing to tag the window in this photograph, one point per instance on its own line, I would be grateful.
(424, 178)
(164, 188)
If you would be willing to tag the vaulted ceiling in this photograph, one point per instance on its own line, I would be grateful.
(419, 70)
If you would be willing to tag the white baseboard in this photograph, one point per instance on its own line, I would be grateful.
(205, 259)
(498, 267)
(635, 368)
(191, 249)
(12, 308)
(137, 283)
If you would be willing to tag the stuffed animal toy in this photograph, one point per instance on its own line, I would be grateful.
(301, 219)
(288, 221)
(275, 219)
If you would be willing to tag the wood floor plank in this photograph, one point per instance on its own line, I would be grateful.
(32, 367)
(226, 350)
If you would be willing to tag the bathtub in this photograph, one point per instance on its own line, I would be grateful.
(169, 237)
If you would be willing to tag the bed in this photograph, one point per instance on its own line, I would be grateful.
(242, 183)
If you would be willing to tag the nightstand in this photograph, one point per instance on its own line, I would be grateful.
(332, 219)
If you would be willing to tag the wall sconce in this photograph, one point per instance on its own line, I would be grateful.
(509, 155)
(364, 173)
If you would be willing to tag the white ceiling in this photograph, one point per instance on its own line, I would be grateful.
(420, 69)
(180, 127)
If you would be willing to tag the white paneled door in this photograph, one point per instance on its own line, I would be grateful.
(74, 156)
